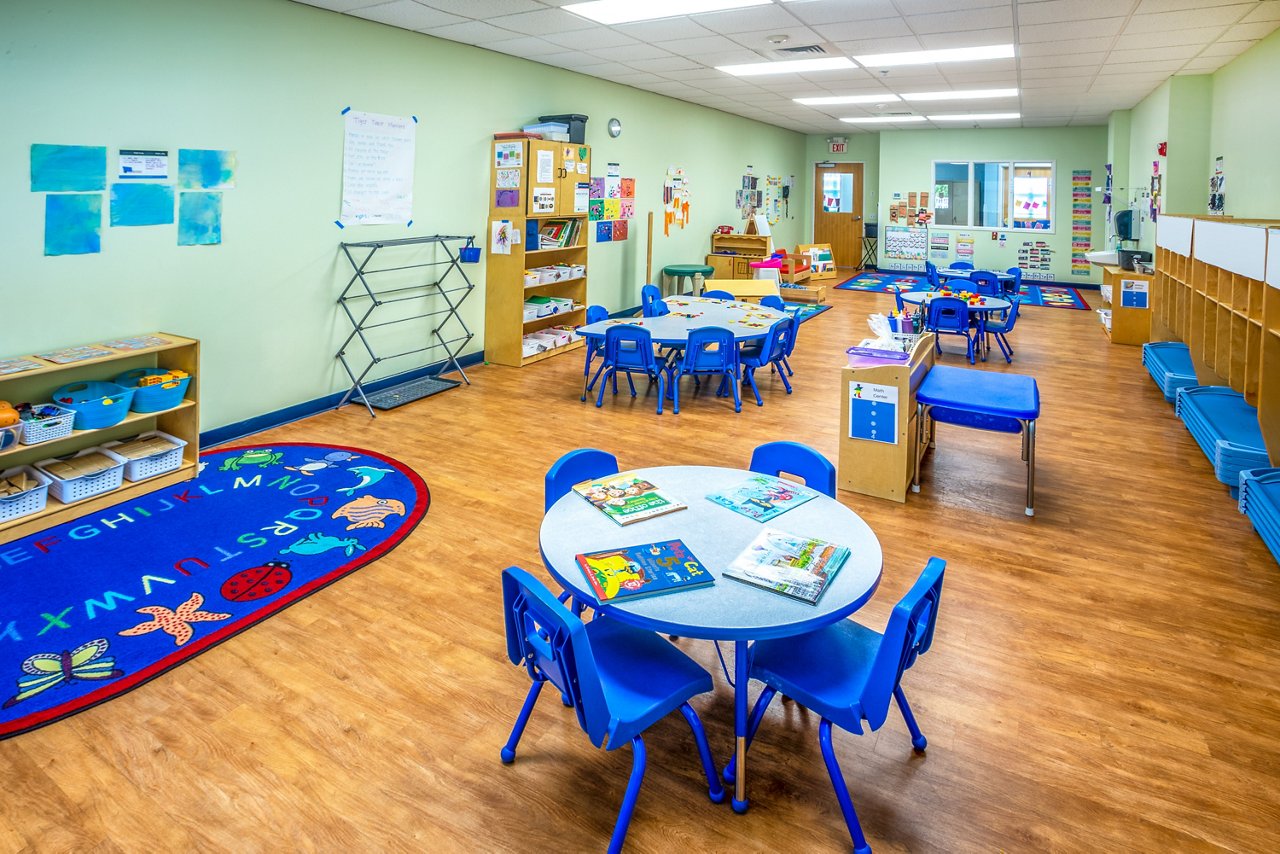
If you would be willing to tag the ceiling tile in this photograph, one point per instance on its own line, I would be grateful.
(858, 47)
(1055, 11)
(1150, 6)
(1063, 61)
(630, 53)
(1198, 36)
(876, 28)
(596, 37)
(798, 36)
(1058, 48)
(830, 11)
(694, 48)
(1205, 64)
(471, 32)
(1243, 32)
(1038, 76)
(1154, 54)
(408, 15)
(483, 9)
(730, 57)
(1132, 70)
(572, 59)
(1198, 17)
(968, 38)
(527, 46)
(1268, 11)
(1225, 48)
(1097, 29)
(666, 65)
(664, 29)
(973, 19)
(542, 23)
(746, 20)
(337, 5)
(928, 7)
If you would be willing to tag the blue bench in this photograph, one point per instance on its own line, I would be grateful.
(1226, 429)
(1260, 501)
(1169, 363)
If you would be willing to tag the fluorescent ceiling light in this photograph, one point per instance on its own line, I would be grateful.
(975, 117)
(920, 57)
(626, 11)
(868, 120)
(960, 96)
(791, 66)
(847, 99)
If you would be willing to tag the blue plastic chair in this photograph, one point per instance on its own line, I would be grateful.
(575, 467)
(1014, 287)
(791, 341)
(770, 352)
(629, 349)
(962, 265)
(930, 270)
(651, 302)
(813, 468)
(774, 302)
(1000, 328)
(725, 295)
(985, 283)
(848, 674)
(595, 347)
(897, 298)
(619, 680)
(948, 316)
(711, 351)
(935, 281)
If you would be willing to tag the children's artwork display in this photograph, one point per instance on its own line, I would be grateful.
(611, 202)
(675, 199)
(637, 571)
(906, 246)
(1081, 221)
(141, 204)
(1217, 188)
(199, 219)
(68, 168)
(72, 223)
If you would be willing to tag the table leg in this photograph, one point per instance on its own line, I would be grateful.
(741, 674)
(698, 284)
(922, 443)
(1029, 431)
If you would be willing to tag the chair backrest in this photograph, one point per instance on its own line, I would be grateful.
(935, 281)
(651, 304)
(710, 349)
(962, 265)
(816, 470)
(639, 356)
(985, 283)
(947, 314)
(551, 643)
(575, 467)
(718, 295)
(1016, 272)
(773, 301)
(1012, 317)
(907, 636)
(930, 269)
(897, 298)
(790, 346)
(778, 341)
(597, 313)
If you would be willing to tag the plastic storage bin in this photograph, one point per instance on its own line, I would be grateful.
(96, 404)
(48, 429)
(153, 398)
(575, 124)
(158, 463)
(31, 501)
(9, 436)
(86, 486)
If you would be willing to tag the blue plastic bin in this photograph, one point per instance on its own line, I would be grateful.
(153, 398)
(96, 404)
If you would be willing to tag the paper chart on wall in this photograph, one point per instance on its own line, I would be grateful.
(377, 168)
(581, 197)
(544, 200)
(508, 155)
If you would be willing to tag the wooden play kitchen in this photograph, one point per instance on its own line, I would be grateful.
(78, 463)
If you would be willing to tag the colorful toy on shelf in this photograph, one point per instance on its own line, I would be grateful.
(170, 376)
(8, 414)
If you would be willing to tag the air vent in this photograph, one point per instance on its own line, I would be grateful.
(804, 49)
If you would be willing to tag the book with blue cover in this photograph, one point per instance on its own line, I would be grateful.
(634, 572)
(762, 497)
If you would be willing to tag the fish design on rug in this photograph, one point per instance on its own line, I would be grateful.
(316, 543)
(330, 461)
(368, 477)
(368, 511)
(175, 622)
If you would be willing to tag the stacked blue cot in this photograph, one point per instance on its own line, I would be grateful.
(1169, 363)
(1260, 501)
(1226, 428)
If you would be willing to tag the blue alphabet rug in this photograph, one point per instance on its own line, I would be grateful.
(93, 608)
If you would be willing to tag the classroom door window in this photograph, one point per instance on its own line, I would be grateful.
(993, 194)
(837, 192)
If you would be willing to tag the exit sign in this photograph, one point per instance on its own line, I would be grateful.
(838, 147)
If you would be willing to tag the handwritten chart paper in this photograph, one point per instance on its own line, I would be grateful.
(377, 169)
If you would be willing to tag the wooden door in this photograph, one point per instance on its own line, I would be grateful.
(837, 211)
(546, 170)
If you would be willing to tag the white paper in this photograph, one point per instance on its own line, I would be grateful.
(614, 170)
(508, 154)
(546, 167)
(581, 198)
(135, 164)
(377, 169)
(500, 232)
(544, 200)
(582, 168)
(508, 178)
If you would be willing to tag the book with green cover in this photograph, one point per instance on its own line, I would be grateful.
(634, 572)
(626, 498)
(793, 565)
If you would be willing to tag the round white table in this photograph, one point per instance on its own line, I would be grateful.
(727, 610)
(982, 309)
(746, 320)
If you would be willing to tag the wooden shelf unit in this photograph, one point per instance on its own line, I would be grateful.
(505, 291)
(1217, 288)
(745, 248)
(1129, 324)
(183, 422)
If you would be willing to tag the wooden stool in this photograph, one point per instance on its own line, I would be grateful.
(680, 272)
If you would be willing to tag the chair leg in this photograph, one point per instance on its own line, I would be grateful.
(662, 390)
(860, 845)
(751, 379)
(757, 715)
(787, 365)
(918, 741)
(631, 383)
(673, 383)
(604, 383)
(715, 791)
(786, 384)
(629, 799)
(509, 749)
(737, 397)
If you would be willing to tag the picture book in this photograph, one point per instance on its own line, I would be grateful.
(762, 497)
(140, 342)
(17, 366)
(634, 572)
(625, 498)
(74, 354)
(795, 566)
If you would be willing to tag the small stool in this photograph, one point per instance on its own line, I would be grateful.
(769, 269)
(680, 272)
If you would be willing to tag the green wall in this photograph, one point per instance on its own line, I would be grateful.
(267, 79)
(906, 162)
(1243, 130)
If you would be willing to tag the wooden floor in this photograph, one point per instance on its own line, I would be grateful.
(1104, 676)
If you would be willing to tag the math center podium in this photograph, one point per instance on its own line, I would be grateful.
(878, 422)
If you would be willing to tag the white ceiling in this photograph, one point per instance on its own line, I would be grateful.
(1077, 60)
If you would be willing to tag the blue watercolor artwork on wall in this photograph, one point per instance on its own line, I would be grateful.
(199, 219)
(72, 223)
(58, 168)
(141, 204)
(206, 169)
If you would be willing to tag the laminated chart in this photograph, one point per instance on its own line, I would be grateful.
(1081, 220)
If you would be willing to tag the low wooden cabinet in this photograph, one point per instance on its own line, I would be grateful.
(732, 254)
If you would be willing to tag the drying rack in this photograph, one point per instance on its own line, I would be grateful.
(360, 301)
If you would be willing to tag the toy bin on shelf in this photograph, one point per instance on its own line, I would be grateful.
(68, 490)
(24, 503)
(156, 462)
(96, 404)
(59, 426)
(9, 436)
(165, 390)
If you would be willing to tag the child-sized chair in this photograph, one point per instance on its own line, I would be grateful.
(594, 347)
(575, 467)
(985, 283)
(813, 468)
(773, 301)
(724, 295)
(949, 316)
(629, 349)
(1001, 327)
(619, 681)
(962, 265)
(771, 351)
(651, 302)
(849, 674)
(1014, 287)
(711, 351)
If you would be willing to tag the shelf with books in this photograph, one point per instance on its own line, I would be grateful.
(544, 208)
